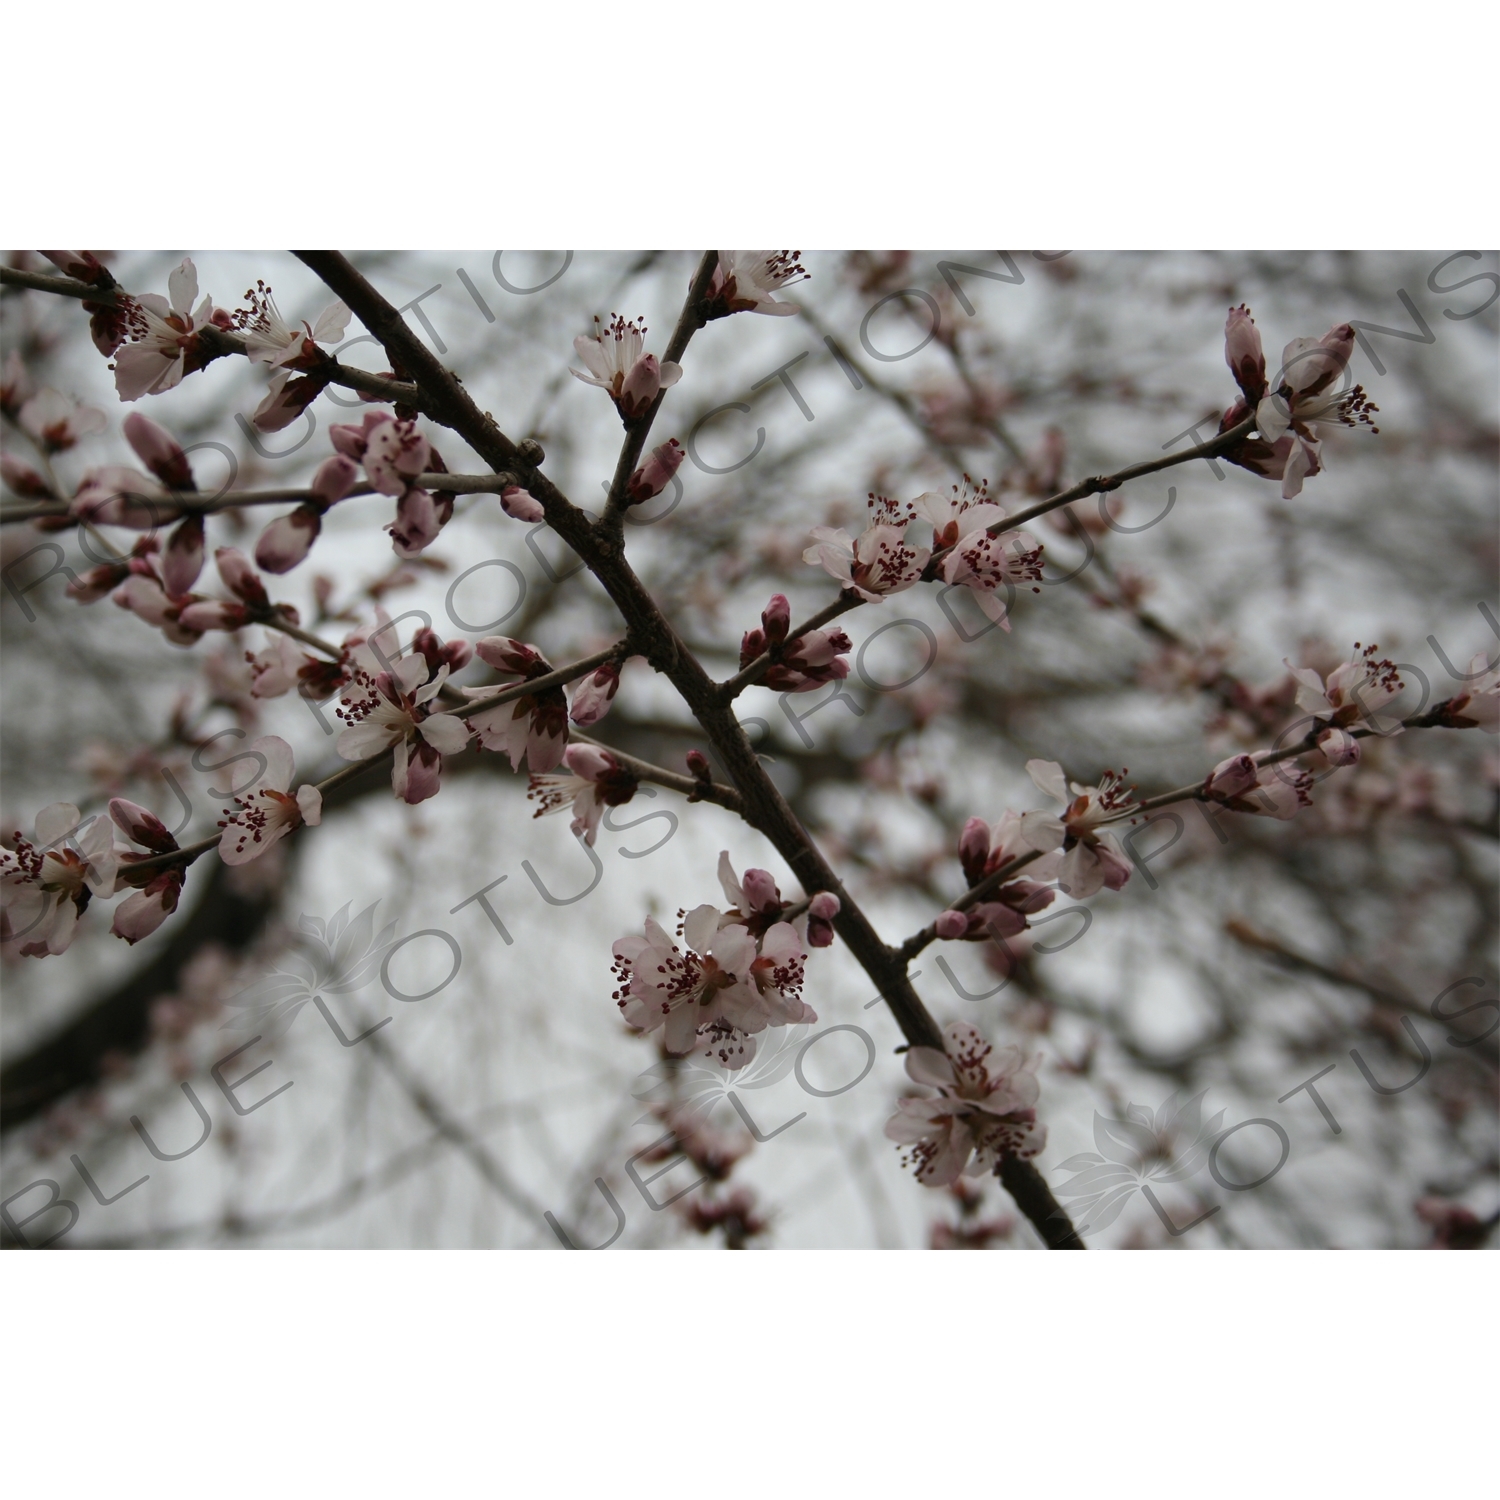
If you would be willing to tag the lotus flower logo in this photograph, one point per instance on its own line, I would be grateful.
(1143, 1148)
(694, 1087)
(335, 958)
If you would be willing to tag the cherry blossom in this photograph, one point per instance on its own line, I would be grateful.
(164, 337)
(878, 562)
(269, 810)
(984, 1110)
(534, 726)
(1290, 418)
(274, 670)
(158, 890)
(597, 781)
(420, 516)
(719, 993)
(745, 280)
(46, 882)
(391, 710)
(616, 364)
(1091, 861)
(56, 422)
(1353, 694)
(806, 663)
(271, 340)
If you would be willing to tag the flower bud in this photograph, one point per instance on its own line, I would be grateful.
(776, 619)
(594, 695)
(760, 890)
(182, 559)
(656, 473)
(288, 539)
(1243, 353)
(143, 827)
(974, 849)
(1232, 778)
(335, 478)
(159, 451)
(951, 924)
(521, 504)
(239, 577)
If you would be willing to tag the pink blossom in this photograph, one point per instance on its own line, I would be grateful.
(268, 811)
(391, 711)
(720, 993)
(46, 882)
(534, 726)
(56, 422)
(159, 451)
(984, 1110)
(271, 340)
(395, 453)
(746, 279)
(756, 902)
(594, 695)
(597, 781)
(274, 671)
(143, 595)
(616, 364)
(1308, 399)
(164, 337)
(1091, 861)
(656, 473)
(878, 563)
(1353, 694)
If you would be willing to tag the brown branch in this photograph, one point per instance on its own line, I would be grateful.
(689, 321)
(1097, 485)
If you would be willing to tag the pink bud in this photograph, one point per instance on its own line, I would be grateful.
(507, 655)
(974, 849)
(589, 761)
(213, 614)
(1341, 748)
(776, 619)
(159, 451)
(640, 387)
(521, 504)
(182, 561)
(951, 925)
(239, 577)
(595, 694)
(656, 473)
(289, 538)
(144, 827)
(417, 522)
(90, 587)
(1243, 353)
(352, 441)
(697, 764)
(1232, 778)
(821, 911)
(23, 479)
(141, 914)
(336, 476)
(760, 890)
